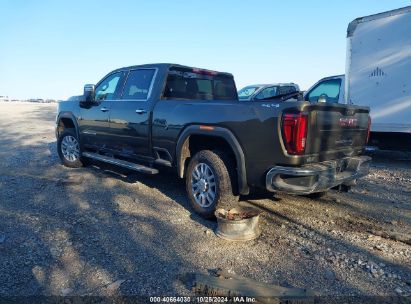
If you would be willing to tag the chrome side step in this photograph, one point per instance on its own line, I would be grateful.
(121, 163)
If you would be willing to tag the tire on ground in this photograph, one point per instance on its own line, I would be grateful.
(224, 173)
(79, 162)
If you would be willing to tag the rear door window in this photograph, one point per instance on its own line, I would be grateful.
(273, 91)
(194, 84)
(286, 90)
(267, 93)
(138, 84)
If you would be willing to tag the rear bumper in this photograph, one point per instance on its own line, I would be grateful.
(317, 177)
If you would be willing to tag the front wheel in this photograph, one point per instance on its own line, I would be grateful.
(209, 180)
(68, 148)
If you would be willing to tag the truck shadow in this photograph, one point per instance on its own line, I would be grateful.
(166, 182)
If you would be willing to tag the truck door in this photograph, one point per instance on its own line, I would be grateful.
(130, 115)
(94, 118)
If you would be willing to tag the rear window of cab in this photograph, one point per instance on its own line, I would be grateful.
(196, 84)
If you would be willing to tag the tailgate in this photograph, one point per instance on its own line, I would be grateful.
(336, 128)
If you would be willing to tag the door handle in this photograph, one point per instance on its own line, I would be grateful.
(103, 109)
(141, 111)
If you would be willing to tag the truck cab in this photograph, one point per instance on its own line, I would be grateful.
(263, 91)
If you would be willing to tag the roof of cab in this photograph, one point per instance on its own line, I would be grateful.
(167, 66)
(333, 77)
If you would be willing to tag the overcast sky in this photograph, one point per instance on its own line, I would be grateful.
(50, 49)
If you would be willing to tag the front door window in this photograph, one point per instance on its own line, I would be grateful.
(106, 90)
(329, 89)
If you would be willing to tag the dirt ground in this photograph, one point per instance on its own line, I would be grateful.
(102, 231)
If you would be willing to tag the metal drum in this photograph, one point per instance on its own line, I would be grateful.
(238, 224)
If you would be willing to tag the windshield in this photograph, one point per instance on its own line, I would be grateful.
(246, 92)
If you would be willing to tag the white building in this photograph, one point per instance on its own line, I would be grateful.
(4, 98)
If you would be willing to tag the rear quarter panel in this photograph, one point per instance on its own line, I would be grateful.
(254, 124)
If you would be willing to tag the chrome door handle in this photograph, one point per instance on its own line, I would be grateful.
(141, 111)
(103, 109)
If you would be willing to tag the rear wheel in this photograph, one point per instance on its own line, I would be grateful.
(68, 148)
(209, 182)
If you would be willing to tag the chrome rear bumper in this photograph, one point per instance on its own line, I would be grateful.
(317, 177)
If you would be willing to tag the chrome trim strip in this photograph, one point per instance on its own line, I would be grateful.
(121, 163)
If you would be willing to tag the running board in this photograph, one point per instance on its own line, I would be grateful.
(121, 163)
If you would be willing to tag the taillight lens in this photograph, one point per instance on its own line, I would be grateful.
(294, 128)
(369, 129)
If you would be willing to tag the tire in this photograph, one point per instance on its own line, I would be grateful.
(208, 173)
(68, 148)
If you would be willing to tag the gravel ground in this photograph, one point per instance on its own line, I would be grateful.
(103, 231)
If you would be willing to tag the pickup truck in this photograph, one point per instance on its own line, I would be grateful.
(264, 91)
(166, 115)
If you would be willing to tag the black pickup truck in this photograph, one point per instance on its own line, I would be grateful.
(149, 116)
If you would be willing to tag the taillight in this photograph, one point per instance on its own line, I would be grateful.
(294, 128)
(368, 130)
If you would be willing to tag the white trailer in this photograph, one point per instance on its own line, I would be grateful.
(378, 71)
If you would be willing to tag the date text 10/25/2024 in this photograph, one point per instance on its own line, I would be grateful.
(202, 299)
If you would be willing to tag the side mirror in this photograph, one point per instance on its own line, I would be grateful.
(322, 98)
(88, 95)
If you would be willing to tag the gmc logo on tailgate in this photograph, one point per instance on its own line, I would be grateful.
(348, 122)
